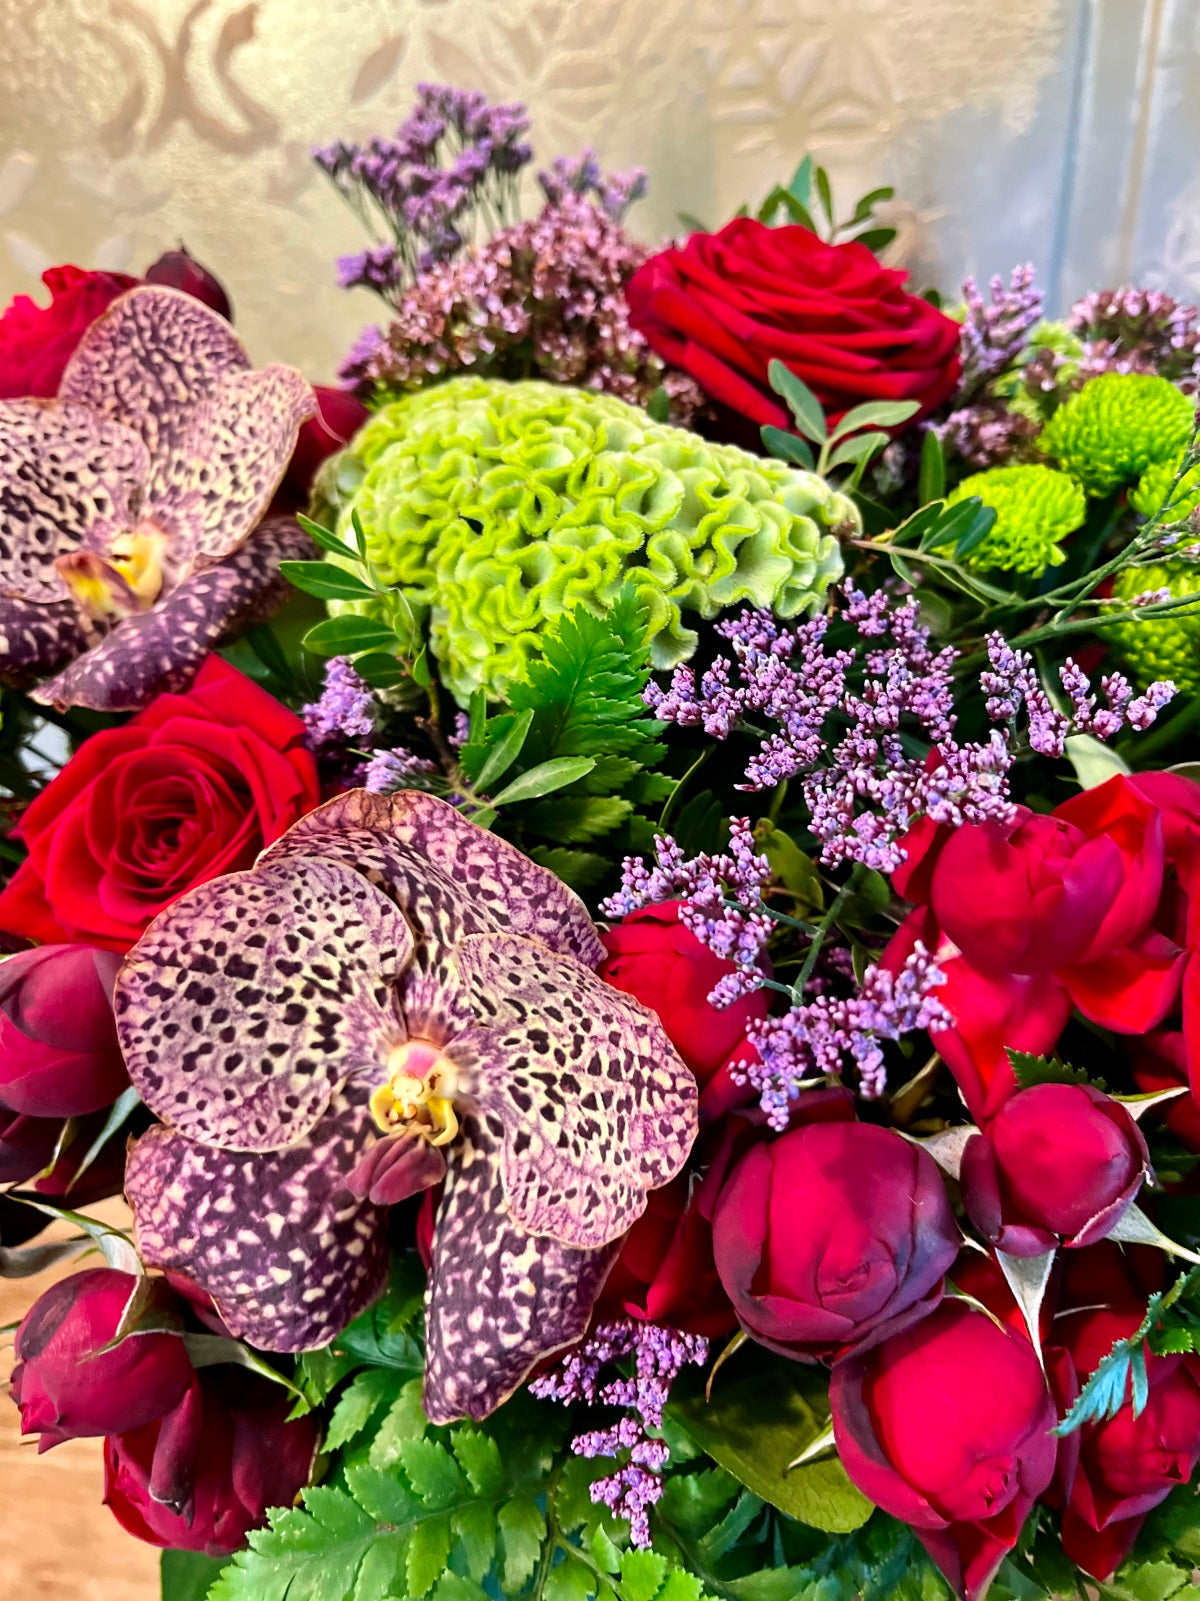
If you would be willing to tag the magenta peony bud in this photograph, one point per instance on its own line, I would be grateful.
(59, 1055)
(179, 269)
(1057, 1165)
(202, 1478)
(68, 1386)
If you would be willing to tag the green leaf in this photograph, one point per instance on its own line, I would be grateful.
(569, 1581)
(475, 1530)
(324, 537)
(658, 407)
(426, 1556)
(360, 534)
(522, 1531)
(875, 239)
(758, 1421)
(187, 1575)
(931, 482)
(576, 819)
(869, 201)
(788, 447)
(479, 1458)
(792, 867)
(505, 751)
(119, 1114)
(581, 870)
(881, 413)
(1094, 763)
(800, 186)
(432, 1472)
(405, 1420)
(1030, 1070)
(358, 1404)
(859, 449)
(347, 636)
(325, 580)
(978, 527)
(642, 1575)
(544, 779)
(263, 642)
(801, 402)
(381, 670)
(825, 194)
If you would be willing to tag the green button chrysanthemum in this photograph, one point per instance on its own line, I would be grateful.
(1155, 488)
(1115, 427)
(1159, 647)
(1036, 508)
(499, 506)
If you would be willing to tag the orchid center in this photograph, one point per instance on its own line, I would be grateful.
(418, 1096)
(126, 581)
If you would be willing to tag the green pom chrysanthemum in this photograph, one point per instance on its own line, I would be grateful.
(1149, 648)
(1155, 487)
(496, 507)
(1036, 508)
(1116, 426)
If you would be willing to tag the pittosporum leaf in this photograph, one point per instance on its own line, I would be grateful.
(788, 447)
(931, 482)
(505, 751)
(880, 413)
(324, 536)
(349, 636)
(801, 402)
(325, 580)
(544, 779)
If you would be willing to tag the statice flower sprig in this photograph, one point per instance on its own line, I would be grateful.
(996, 330)
(344, 712)
(658, 1355)
(1012, 683)
(453, 162)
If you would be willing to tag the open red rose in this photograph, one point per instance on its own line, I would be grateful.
(193, 787)
(946, 1425)
(825, 1233)
(1058, 1164)
(653, 957)
(202, 1478)
(36, 342)
(725, 305)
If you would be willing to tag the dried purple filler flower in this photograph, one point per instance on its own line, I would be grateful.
(131, 506)
(393, 997)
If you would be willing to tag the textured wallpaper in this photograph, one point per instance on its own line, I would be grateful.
(1062, 130)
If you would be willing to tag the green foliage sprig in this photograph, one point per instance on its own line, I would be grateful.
(853, 442)
(810, 189)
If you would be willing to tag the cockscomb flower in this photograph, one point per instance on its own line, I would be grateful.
(391, 998)
(128, 504)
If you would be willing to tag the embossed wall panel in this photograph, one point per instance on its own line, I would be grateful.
(1063, 131)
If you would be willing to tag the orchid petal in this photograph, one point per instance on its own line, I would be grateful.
(36, 639)
(149, 360)
(160, 651)
(248, 1002)
(67, 478)
(287, 1253)
(451, 877)
(499, 1299)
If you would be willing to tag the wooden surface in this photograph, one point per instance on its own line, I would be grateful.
(58, 1542)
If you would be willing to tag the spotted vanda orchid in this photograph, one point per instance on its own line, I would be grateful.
(391, 998)
(133, 526)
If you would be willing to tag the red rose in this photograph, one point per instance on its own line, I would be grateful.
(339, 417)
(724, 305)
(68, 1386)
(202, 1478)
(59, 1055)
(946, 1425)
(1120, 1469)
(36, 342)
(1159, 1062)
(194, 786)
(1059, 1164)
(825, 1233)
(665, 1273)
(179, 269)
(654, 958)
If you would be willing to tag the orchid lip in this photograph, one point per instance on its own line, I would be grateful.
(418, 1095)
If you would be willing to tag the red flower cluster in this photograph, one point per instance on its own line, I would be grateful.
(725, 305)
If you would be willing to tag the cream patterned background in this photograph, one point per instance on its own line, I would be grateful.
(1063, 130)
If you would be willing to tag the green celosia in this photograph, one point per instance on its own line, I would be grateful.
(496, 507)
(1036, 508)
(1159, 647)
(1116, 426)
(1155, 488)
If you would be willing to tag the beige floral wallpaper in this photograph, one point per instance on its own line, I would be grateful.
(1028, 128)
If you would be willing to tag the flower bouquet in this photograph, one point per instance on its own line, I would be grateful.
(616, 895)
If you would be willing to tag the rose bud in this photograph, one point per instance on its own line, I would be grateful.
(946, 1425)
(179, 269)
(1123, 1467)
(1058, 1164)
(68, 1386)
(59, 1055)
(202, 1482)
(339, 417)
(654, 958)
(821, 1235)
(665, 1272)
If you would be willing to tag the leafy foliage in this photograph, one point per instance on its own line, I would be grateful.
(1031, 1070)
(798, 203)
(854, 442)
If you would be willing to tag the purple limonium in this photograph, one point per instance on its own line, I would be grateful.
(1138, 330)
(659, 1356)
(135, 533)
(390, 770)
(996, 331)
(392, 998)
(344, 713)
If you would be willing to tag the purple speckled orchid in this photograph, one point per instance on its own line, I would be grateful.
(131, 505)
(390, 998)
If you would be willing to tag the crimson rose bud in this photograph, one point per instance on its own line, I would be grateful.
(179, 269)
(946, 1425)
(1125, 1465)
(59, 1055)
(68, 1386)
(1058, 1164)
(821, 1235)
(654, 958)
(201, 1479)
